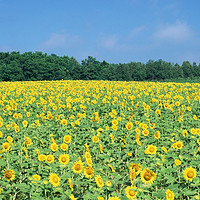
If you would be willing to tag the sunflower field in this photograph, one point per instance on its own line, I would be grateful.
(99, 140)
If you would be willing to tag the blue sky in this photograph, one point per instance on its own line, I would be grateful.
(118, 31)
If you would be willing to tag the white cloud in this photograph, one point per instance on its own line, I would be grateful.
(113, 43)
(173, 32)
(58, 40)
(108, 42)
(135, 31)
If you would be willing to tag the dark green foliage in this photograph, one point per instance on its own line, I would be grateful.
(31, 66)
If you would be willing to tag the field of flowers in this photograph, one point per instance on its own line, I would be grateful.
(99, 140)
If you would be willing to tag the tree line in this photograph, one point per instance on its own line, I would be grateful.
(33, 66)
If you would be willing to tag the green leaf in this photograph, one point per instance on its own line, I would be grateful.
(23, 187)
(190, 192)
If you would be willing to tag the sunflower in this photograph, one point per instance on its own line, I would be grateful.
(67, 138)
(177, 145)
(87, 147)
(95, 139)
(100, 198)
(64, 122)
(111, 167)
(129, 126)
(6, 146)
(108, 183)
(157, 135)
(145, 132)
(147, 176)
(164, 149)
(70, 184)
(158, 112)
(50, 158)
(9, 174)
(114, 198)
(137, 130)
(132, 175)
(28, 141)
(72, 197)
(41, 157)
(189, 173)
(114, 127)
(36, 178)
(100, 148)
(144, 126)
(13, 125)
(138, 140)
(25, 123)
(177, 162)
(15, 115)
(130, 192)
(89, 172)
(99, 181)
(198, 131)
(114, 122)
(99, 130)
(87, 155)
(129, 153)
(88, 158)
(151, 149)
(107, 128)
(78, 167)
(112, 138)
(17, 129)
(9, 139)
(136, 167)
(64, 159)
(169, 195)
(193, 131)
(64, 146)
(54, 180)
(54, 147)
(184, 133)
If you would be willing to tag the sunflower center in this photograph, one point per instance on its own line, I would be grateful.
(147, 176)
(89, 171)
(6, 146)
(49, 159)
(63, 159)
(88, 156)
(77, 167)
(132, 175)
(151, 149)
(190, 174)
(136, 168)
(55, 179)
(179, 145)
(42, 157)
(54, 147)
(131, 193)
(170, 195)
(100, 181)
(8, 174)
